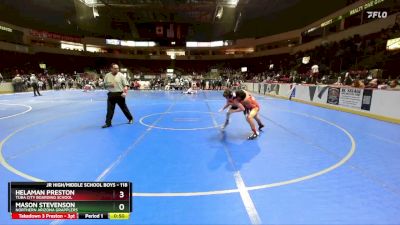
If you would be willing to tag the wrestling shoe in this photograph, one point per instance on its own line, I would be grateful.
(253, 136)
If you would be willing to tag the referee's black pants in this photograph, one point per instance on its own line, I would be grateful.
(35, 87)
(116, 98)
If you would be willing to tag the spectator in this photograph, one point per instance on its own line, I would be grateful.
(358, 83)
(394, 85)
(17, 83)
(136, 85)
(373, 83)
(315, 70)
(50, 82)
(41, 84)
(347, 79)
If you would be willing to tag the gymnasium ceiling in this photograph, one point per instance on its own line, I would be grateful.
(203, 20)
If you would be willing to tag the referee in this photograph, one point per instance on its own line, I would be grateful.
(35, 86)
(117, 87)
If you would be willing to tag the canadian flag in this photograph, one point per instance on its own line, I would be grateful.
(159, 30)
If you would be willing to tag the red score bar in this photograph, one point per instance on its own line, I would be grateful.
(110, 195)
(83, 195)
(43, 216)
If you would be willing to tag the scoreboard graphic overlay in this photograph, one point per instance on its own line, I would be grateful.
(70, 200)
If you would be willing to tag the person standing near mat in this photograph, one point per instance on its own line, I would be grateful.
(34, 83)
(117, 87)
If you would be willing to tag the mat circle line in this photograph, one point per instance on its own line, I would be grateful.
(29, 108)
(349, 154)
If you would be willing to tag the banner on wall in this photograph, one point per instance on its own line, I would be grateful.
(312, 90)
(316, 93)
(333, 96)
(265, 88)
(374, 101)
(268, 89)
(276, 89)
(367, 98)
(321, 90)
(292, 91)
(50, 35)
(351, 97)
(272, 89)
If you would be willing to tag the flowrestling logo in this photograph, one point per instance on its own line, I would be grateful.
(377, 14)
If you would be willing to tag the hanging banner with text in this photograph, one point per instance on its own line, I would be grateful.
(351, 97)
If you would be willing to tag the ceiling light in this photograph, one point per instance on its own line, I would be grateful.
(220, 11)
(95, 12)
(232, 3)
